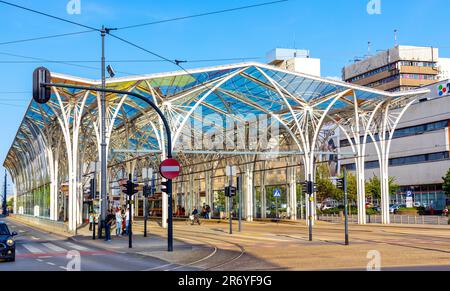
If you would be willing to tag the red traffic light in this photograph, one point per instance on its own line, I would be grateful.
(41, 94)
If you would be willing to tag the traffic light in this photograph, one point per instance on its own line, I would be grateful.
(131, 188)
(41, 94)
(340, 183)
(165, 187)
(305, 187)
(92, 189)
(230, 191)
(309, 187)
(148, 191)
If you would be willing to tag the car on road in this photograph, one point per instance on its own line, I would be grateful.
(7, 243)
(393, 208)
(417, 204)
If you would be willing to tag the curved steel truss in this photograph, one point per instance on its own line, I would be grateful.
(240, 108)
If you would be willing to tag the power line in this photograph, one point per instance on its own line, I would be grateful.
(45, 37)
(45, 60)
(41, 60)
(144, 49)
(49, 15)
(134, 61)
(202, 14)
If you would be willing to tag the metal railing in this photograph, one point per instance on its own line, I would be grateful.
(395, 219)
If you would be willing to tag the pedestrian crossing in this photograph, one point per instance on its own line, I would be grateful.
(48, 248)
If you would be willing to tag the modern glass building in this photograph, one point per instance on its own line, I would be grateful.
(271, 123)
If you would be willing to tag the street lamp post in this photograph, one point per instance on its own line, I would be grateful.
(41, 94)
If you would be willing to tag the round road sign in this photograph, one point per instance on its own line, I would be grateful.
(170, 169)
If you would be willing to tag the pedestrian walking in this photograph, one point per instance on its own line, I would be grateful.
(208, 212)
(196, 217)
(91, 221)
(204, 211)
(124, 223)
(109, 222)
(127, 221)
(118, 222)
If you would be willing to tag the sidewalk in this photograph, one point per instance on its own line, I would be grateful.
(154, 245)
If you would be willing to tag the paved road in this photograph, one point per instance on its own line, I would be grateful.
(260, 246)
(269, 246)
(40, 251)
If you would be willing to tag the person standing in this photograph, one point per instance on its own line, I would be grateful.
(118, 222)
(208, 212)
(196, 216)
(127, 221)
(91, 221)
(109, 222)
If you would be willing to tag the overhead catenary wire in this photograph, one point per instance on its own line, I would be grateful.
(133, 61)
(45, 37)
(49, 15)
(201, 14)
(40, 60)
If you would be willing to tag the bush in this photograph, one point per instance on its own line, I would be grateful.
(421, 210)
(371, 211)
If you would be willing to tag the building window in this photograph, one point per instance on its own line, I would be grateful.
(407, 131)
(403, 161)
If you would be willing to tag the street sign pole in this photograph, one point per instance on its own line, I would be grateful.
(130, 211)
(276, 207)
(239, 185)
(310, 196)
(231, 201)
(5, 195)
(346, 206)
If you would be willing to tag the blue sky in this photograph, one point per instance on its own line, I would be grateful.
(335, 31)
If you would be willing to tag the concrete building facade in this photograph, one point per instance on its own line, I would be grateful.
(419, 156)
(401, 68)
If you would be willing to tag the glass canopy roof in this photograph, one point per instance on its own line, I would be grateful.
(230, 91)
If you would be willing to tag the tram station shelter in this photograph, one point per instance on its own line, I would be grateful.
(274, 125)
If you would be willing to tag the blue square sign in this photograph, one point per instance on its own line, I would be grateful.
(277, 193)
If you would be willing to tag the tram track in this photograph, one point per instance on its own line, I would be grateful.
(206, 263)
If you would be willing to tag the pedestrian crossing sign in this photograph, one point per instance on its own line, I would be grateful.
(277, 193)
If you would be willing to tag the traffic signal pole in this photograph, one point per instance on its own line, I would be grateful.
(346, 206)
(310, 202)
(239, 185)
(5, 195)
(43, 81)
(231, 203)
(103, 183)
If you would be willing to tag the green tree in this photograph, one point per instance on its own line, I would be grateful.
(373, 187)
(325, 187)
(10, 202)
(446, 185)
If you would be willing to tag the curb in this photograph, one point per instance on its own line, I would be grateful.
(39, 227)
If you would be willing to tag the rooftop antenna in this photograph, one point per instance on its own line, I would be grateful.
(395, 37)
(369, 47)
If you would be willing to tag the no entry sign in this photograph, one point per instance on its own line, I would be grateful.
(170, 169)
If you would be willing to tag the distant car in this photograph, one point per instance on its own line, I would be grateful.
(7, 243)
(417, 204)
(326, 207)
(393, 208)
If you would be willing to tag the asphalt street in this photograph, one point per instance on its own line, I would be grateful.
(40, 251)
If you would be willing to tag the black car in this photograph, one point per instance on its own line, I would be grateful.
(7, 243)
